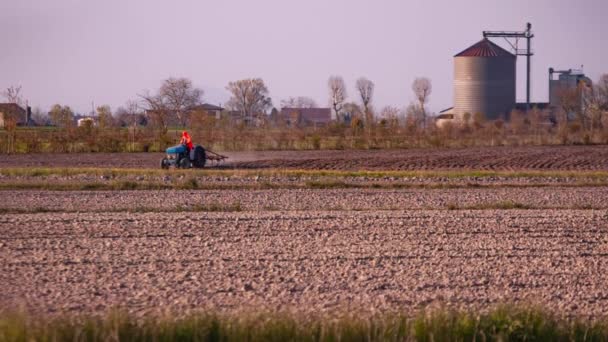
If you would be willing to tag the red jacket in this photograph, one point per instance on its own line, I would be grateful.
(186, 140)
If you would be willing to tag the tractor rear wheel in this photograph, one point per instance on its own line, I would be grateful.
(184, 163)
(200, 157)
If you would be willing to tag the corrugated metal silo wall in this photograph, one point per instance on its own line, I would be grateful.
(484, 85)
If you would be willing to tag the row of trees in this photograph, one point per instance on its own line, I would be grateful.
(148, 118)
(364, 110)
(249, 97)
(524, 129)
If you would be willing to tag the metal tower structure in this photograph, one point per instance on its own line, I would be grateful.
(527, 34)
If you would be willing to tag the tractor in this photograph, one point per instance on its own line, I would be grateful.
(179, 157)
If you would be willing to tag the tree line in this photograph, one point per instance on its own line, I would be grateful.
(145, 124)
(249, 97)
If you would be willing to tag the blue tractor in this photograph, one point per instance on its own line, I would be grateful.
(179, 157)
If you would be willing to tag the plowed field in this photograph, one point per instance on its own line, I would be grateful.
(487, 158)
(304, 251)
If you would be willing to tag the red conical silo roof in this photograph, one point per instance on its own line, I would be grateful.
(485, 48)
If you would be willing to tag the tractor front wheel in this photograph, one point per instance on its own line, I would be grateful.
(164, 163)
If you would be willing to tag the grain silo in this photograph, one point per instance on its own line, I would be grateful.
(484, 81)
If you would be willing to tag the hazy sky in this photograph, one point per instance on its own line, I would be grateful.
(107, 51)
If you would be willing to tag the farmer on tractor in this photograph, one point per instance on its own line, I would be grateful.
(186, 141)
(186, 155)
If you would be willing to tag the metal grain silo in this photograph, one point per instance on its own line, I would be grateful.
(484, 81)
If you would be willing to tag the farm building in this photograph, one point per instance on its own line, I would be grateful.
(13, 111)
(306, 116)
(484, 81)
(212, 111)
(86, 121)
(568, 83)
(444, 118)
(206, 108)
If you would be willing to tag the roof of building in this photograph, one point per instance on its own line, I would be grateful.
(8, 107)
(447, 111)
(208, 106)
(485, 48)
(316, 115)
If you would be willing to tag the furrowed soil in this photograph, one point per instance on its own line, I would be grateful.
(306, 242)
(24, 201)
(304, 251)
(483, 158)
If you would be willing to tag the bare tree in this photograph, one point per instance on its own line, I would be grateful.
(422, 90)
(414, 116)
(337, 94)
(298, 102)
(129, 115)
(390, 115)
(179, 95)
(601, 89)
(132, 107)
(598, 106)
(11, 118)
(176, 96)
(569, 102)
(365, 88)
(250, 97)
(151, 102)
(390, 112)
(157, 113)
(13, 95)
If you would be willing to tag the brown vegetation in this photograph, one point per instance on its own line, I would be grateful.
(223, 135)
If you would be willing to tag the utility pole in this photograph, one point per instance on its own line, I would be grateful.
(528, 35)
(528, 58)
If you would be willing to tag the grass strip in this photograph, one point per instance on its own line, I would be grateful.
(237, 207)
(240, 173)
(501, 324)
(211, 207)
(193, 184)
(503, 205)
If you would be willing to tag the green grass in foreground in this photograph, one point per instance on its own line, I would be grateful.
(155, 179)
(502, 324)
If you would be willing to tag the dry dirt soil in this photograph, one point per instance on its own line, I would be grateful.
(485, 158)
(304, 251)
(304, 199)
